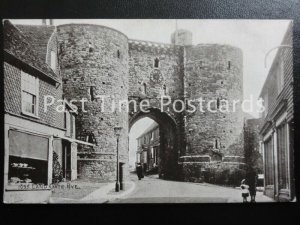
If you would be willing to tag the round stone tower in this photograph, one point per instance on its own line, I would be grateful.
(94, 62)
(214, 73)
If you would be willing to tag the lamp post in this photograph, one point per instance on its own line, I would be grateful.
(117, 130)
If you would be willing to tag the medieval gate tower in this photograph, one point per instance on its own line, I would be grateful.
(97, 60)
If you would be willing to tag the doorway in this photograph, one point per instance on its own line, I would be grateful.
(66, 160)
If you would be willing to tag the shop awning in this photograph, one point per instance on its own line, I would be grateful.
(28, 145)
(74, 140)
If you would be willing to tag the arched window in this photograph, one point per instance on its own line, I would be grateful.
(144, 88)
(156, 63)
(118, 54)
(53, 60)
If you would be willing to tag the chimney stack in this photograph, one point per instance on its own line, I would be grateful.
(47, 22)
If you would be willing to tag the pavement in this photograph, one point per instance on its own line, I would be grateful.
(104, 194)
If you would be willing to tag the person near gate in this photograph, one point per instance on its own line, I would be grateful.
(139, 170)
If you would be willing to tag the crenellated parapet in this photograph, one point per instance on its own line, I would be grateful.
(154, 47)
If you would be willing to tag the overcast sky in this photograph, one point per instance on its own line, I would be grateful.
(254, 37)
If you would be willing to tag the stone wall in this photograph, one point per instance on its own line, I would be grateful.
(166, 89)
(94, 61)
(97, 60)
(214, 73)
(229, 174)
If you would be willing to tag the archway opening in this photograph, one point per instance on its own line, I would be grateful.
(155, 144)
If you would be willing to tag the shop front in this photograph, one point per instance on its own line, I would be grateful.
(28, 168)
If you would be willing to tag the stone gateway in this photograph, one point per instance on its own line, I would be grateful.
(97, 60)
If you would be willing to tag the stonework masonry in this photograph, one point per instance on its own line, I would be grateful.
(97, 60)
(94, 61)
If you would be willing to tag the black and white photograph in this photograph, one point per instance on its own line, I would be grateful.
(105, 111)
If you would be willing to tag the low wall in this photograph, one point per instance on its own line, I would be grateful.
(223, 173)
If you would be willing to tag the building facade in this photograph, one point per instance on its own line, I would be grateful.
(148, 148)
(35, 133)
(277, 130)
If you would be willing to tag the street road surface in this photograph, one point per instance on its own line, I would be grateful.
(151, 189)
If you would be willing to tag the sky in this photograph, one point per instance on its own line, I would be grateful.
(254, 37)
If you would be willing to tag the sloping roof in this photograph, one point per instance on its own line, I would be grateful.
(38, 35)
(150, 128)
(270, 75)
(16, 44)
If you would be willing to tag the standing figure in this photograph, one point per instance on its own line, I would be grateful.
(245, 190)
(139, 170)
(251, 179)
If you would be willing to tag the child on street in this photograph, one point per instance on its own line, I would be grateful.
(245, 190)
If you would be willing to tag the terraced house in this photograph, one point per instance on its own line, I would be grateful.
(277, 130)
(148, 148)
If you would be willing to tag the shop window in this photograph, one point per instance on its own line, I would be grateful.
(282, 157)
(28, 159)
(30, 91)
(269, 162)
